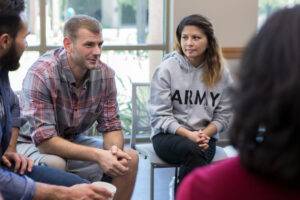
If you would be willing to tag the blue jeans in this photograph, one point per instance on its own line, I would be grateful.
(53, 176)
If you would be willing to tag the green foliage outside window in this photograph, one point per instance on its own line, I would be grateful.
(131, 3)
(266, 7)
(125, 111)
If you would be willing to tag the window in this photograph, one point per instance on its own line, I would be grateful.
(133, 31)
(125, 22)
(267, 7)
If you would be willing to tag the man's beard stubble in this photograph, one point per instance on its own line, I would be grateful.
(10, 61)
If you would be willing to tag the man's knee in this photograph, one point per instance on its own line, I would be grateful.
(87, 170)
(134, 157)
(32, 152)
(53, 161)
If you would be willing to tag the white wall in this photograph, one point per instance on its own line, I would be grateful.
(234, 20)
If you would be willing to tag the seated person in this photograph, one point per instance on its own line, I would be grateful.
(16, 169)
(189, 101)
(265, 127)
(64, 93)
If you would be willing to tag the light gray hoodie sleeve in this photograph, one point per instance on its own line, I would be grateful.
(160, 104)
(223, 112)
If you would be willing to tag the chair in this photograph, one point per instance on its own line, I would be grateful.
(141, 126)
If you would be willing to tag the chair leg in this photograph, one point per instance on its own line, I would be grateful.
(152, 182)
(176, 180)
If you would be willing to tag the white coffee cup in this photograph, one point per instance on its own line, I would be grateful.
(111, 188)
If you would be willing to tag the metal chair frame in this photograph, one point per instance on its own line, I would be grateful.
(146, 149)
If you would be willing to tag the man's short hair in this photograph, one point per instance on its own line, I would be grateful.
(10, 20)
(81, 21)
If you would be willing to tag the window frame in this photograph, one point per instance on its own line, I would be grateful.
(164, 47)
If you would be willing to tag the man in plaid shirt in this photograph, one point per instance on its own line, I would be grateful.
(64, 92)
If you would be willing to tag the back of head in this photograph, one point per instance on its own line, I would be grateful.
(267, 101)
(10, 20)
(81, 21)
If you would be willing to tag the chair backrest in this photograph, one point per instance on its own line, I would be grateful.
(140, 115)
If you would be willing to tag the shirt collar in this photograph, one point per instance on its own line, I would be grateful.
(67, 73)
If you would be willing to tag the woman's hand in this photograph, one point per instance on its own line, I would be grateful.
(199, 137)
(195, 137)
(204, 140)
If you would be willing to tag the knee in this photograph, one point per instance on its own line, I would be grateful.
(134, 157)
(194, 154)
(55, 162)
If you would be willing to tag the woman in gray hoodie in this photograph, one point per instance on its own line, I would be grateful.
(189, 101)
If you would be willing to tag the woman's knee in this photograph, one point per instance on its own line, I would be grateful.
(199, 157)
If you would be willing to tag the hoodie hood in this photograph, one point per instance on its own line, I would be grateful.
(182, 61)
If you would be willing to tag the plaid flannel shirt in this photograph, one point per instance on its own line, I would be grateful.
(54, 106)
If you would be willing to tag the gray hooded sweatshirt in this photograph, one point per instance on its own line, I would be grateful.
(179, 98)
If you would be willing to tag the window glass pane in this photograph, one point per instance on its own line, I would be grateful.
(33, 14)
(16, 77)
(125, 22)
(130, 66)
(267, 7)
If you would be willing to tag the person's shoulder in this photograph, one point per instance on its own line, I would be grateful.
(46, 63)
(171, 59)
(206, 181)
(226, 78)
(218, 170)
(171, 63)
(105, 70)
(103, 66)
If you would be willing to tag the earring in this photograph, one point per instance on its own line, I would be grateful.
(3, 46)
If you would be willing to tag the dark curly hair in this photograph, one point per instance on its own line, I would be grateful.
(10, 21)
(212, 55)
(266, 127)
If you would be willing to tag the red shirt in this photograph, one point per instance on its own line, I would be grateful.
(229, 180)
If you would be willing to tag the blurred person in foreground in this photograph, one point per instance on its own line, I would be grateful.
(266, 124)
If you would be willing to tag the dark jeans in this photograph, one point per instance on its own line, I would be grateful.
(53, 176)
(175, 149)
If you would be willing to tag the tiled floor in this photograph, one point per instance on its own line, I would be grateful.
(162, 179)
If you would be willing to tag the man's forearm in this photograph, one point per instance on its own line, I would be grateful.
(68, 150)
(113, 138)
(14, 138)
(48, 192)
